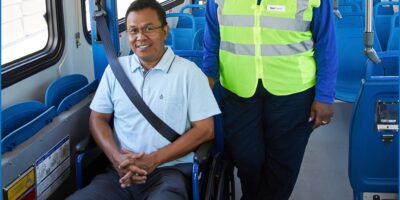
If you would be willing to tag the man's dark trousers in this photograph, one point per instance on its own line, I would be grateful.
(266, 136)
(163, 183)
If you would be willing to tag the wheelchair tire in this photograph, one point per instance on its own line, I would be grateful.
(226, 185)
(220, 180)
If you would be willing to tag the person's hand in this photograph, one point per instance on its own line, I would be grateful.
(321, 114)
(146, 162)
(116, 161)
(135, 175)
(131, 174)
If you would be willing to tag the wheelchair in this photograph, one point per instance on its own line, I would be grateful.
(212, 172)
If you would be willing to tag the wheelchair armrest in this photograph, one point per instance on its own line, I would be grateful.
(203, 152)
(85, 144)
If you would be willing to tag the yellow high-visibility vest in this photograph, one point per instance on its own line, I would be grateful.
(271, 41)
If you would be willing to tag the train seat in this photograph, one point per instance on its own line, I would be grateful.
(373, 153)
(349, 7)
(383, 12)
(62, 87)
(394, 36)
(352, 61)
(198, 41)
(352, 16)
(185, 34)
(22, 120)
(198, 12)
(77, 96)
(195, 56)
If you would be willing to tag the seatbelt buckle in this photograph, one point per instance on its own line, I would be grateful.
(99, 13)
(99, 9)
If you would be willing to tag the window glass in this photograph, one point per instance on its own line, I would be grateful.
(24, 28)
(122, 5)
(89, 28)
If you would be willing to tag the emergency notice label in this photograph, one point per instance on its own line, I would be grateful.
(21, 185)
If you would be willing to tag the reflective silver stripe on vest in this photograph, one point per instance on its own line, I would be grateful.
(220, 6)
(285, 24)
(297, 24)
(268, 49)
(237, 20)
(302, 6)
(240, 49)
(286, 50)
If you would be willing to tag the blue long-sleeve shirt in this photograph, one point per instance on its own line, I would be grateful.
(323, 29)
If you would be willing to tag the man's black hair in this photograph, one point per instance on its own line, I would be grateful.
(152, 4)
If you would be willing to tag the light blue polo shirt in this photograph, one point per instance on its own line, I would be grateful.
(176, 90)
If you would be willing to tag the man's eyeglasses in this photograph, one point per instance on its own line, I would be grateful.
(147, 30)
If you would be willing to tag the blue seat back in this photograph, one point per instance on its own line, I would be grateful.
(19, 114)
(200, 22)
(349, 7)
(353, 16)
(368, 152)
(21, 121)
(63, 87)
(182, 38)
(77, 96)
(197, 10)
(195, 56)
(394, 36)
(350, 20)
(197, 13)
(383, 12)
(198, 41)
(352, 62)
(360, 3)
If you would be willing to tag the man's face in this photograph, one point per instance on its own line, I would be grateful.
(146, 35)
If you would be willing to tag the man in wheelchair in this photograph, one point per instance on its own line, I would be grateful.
(143, 163)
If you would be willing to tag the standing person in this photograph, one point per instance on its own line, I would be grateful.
(144, 164)
(277, 63)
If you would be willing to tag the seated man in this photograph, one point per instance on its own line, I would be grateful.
(144, 164)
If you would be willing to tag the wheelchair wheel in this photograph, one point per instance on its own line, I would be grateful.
(226, 185)
(220, 180)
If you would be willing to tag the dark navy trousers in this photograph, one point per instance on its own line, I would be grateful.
(266, 136)
(164, 183)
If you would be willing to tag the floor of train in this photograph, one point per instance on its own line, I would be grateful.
(324, 171)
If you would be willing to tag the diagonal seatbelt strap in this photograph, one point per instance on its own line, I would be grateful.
(125, 83)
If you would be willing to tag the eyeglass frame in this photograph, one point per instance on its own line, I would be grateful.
(143, 30)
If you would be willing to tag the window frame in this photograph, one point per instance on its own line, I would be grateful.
(35, 62)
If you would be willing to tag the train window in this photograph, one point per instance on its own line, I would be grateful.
(32, 37)
(24, 29)
(86, 23)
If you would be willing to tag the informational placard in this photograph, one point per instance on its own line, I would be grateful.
(52, 168)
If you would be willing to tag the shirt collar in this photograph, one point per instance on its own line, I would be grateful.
(164, 64)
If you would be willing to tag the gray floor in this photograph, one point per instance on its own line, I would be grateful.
(323, 174)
